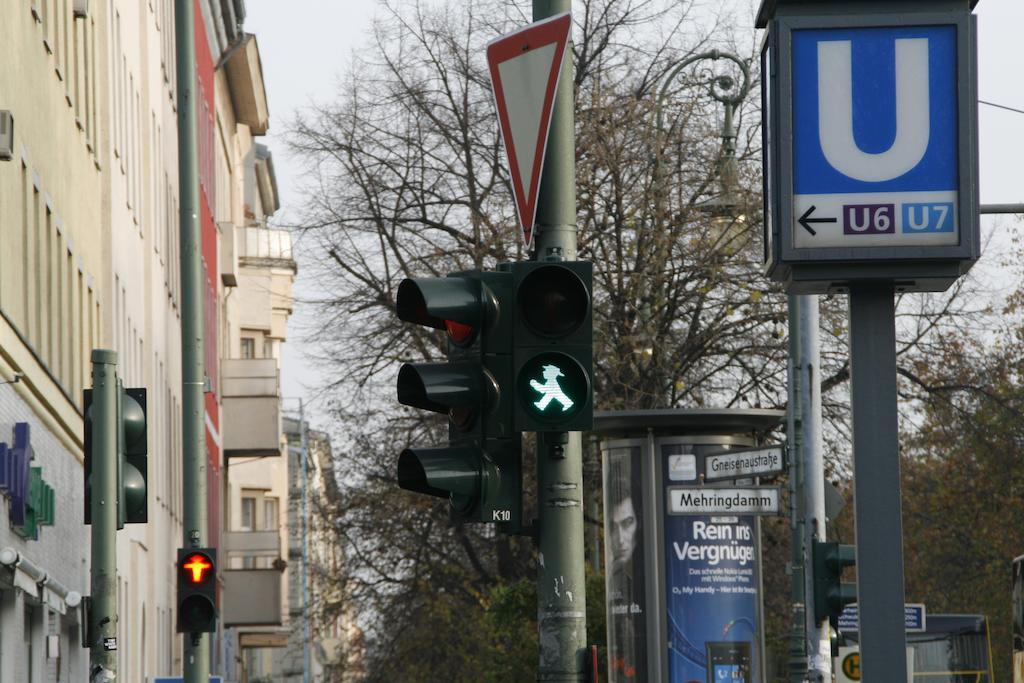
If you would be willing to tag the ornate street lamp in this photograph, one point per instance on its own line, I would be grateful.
(725, 89)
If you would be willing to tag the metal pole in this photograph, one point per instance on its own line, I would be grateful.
(197, 651)
(304, 453)
(103, 483)
(797, 651)
(876, 467)
(818, 648)
(1001, 208)
(561, 586)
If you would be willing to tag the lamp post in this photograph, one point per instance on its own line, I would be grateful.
(804, 416)
(730, 92)
(723, 89)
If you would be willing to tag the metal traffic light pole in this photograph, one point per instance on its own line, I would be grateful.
(102, 624)
(812, 464)
(561, 581)
(197, 653)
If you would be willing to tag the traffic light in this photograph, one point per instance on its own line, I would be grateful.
(197, 590)
(132, 451)
(479, 471)
(132, 457)
(553, 346)
(831, 594)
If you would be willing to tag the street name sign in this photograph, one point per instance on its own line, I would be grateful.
(525, 66)
(765, 461)
(870, 144)
(915, 617)
(731, 500)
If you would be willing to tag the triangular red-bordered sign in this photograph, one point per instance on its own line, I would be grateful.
(524, 67)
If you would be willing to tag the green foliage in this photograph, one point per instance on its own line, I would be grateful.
(492, 641)
(964, 491)
(512, 617)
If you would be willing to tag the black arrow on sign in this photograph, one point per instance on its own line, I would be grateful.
(806, 220)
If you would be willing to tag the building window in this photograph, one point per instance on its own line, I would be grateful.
(248, 513)
(270, 514)
(248, 347)
(30, 652)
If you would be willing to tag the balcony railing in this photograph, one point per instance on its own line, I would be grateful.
(240, 585)
(251, 597)
(265, 247)
(251, 543)
(251, 406)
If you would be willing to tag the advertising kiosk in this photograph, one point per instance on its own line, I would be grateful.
(684, 588)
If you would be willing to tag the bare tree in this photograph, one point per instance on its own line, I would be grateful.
(407, 178)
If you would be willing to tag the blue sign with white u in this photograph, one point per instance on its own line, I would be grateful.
(875, 153)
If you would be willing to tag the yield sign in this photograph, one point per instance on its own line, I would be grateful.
(525, 66)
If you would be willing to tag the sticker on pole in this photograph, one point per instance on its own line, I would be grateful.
(525, 66)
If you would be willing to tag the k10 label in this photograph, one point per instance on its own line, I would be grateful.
(880, 219)
(891, 219)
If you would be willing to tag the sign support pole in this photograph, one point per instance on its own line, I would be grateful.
(103, 581)
(876, 468)
(561, 585)
(818, 648)
(794, 434)
(196, 655)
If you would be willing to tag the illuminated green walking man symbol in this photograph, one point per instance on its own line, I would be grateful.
(550, 390)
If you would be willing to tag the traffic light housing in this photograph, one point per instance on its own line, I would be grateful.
(133, 456)
(831, 594)
(479, 471)
(553, 356)
(132, 449)
(197, 590)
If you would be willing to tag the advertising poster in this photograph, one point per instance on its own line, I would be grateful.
(712, 584)
(624, 525)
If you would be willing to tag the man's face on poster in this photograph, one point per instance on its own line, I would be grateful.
(623, 530)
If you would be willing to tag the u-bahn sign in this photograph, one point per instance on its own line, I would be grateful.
(870, 143)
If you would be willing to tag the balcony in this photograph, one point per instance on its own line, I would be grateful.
(251, 543)
(245, 75)
(251, 406)
(238, 608)
(241, 586)
(265, 248)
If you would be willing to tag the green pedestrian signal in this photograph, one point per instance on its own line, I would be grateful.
(553, 387)
(550, 390)
(553, 340)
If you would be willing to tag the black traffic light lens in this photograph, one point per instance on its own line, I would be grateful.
(553, 387)
(553, 301)
(453, 473)
(196, 613)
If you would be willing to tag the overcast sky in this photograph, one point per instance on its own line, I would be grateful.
(306, 44)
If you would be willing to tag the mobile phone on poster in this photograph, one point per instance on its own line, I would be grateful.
(728, 662)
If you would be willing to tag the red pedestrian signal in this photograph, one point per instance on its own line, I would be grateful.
(197, 566)
(197, 590)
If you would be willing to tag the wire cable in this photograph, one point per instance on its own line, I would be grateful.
(1001, 106)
